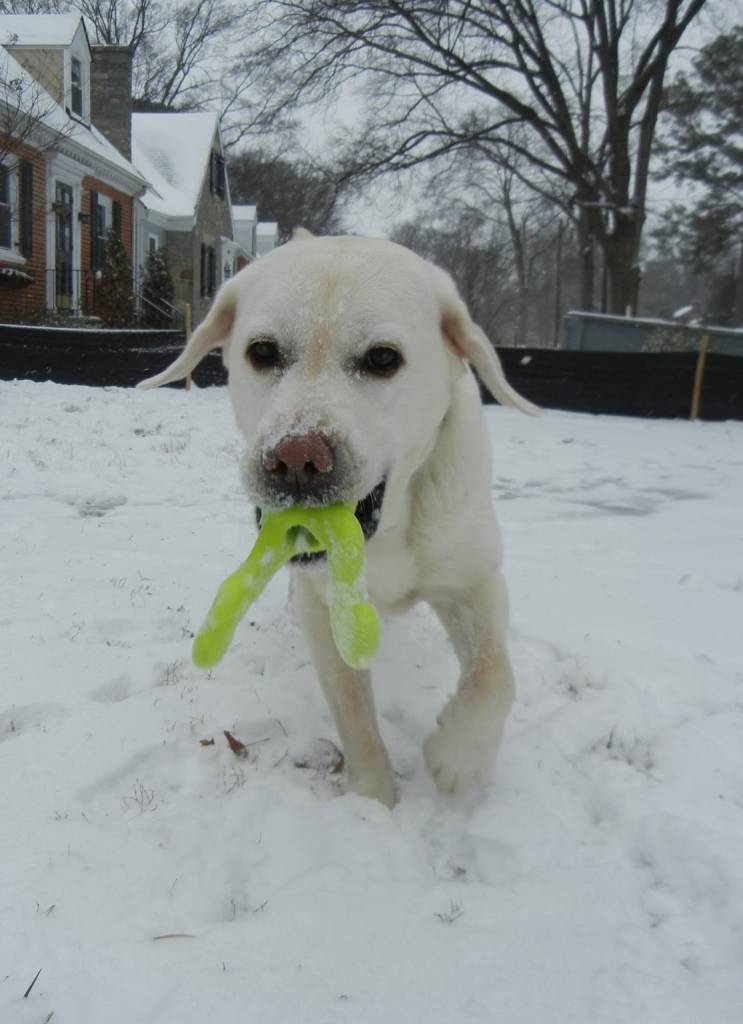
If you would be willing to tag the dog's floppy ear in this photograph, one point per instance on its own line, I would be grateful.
(470, 342)
(213, 331)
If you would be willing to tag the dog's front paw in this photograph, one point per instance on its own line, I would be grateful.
(460, 753)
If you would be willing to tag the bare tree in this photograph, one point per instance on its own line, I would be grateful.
(581, 78)
(32, 6)
(529, 220)
(294, 193)
(489, 203)
(121, 23)
(184, 53)
(474, 252)
(179, 50)
(501, 244)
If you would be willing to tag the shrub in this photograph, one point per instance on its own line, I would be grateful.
(157, 291)
(114, 299)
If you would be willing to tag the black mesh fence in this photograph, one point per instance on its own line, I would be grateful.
(628, 384)
(96, 358)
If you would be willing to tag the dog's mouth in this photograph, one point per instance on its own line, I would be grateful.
(368, 512)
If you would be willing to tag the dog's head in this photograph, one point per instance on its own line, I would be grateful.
(342, 356)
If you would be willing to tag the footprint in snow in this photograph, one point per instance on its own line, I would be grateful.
(22, 719)
(114, 691)
(96, 508)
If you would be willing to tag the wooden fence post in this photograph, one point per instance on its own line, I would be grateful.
(696, 394)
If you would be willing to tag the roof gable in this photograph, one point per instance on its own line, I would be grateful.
(46, 30)
(72, 136)
(172, 151)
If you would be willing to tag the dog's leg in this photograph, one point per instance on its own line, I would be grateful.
(349, 694)
(460, 753)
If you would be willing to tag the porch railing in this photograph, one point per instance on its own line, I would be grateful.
(73, 291)
(166, 311)
(76, 292)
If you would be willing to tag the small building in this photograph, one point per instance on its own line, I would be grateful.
(253, 237)
(266, 237)
(245, 219)
(603, 332)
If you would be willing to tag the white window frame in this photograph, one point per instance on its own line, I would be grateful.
(10, 254)
(227, 254)
(67, 172)
(105, 203)
(81, 86)
(77, 52)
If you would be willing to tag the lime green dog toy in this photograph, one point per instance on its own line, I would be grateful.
(283, 534)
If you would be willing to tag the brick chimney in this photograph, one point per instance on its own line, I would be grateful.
(111, 95)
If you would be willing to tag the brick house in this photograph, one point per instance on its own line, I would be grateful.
(64, 181)
(85, 163)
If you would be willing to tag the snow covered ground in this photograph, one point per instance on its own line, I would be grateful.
(153, 878)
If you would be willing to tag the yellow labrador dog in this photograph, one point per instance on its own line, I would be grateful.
(348, 373)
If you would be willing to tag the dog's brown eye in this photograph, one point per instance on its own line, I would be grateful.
(382, 361)
(263, 354)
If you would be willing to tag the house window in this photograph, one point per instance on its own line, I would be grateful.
(116, 219)
(217, 176)
(99, 234)
(26, 203)
(208, 271)
(6, 212)
(64, 247)
(76, 87)
(99, 225)
(152, 243)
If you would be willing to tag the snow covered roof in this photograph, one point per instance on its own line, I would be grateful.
(74, 137)
(642, 321)
(240, 213)
(266, 236)
(39, 29)
(172, 152)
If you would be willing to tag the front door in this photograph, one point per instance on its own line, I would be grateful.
(64, 283)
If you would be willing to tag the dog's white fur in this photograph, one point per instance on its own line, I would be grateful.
(326, 301)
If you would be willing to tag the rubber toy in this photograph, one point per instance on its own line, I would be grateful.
(285, 533)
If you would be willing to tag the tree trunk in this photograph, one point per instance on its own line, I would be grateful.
(621, 250)
(522, 324)
(738, 306)
(558, 287)
(585, 263)
(519, 242)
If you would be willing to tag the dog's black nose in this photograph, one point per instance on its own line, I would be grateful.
(300, 463)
